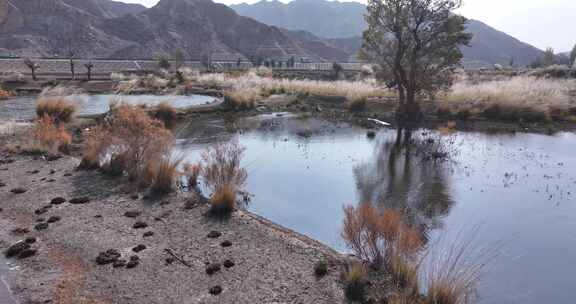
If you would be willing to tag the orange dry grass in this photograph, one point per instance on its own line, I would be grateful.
(4, 94)
(223, 200)
(166, 174)
(192, 172)
(49, 136)
(60, 109)
(222, 166)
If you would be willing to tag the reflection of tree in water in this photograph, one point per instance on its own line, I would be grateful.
(408, 173)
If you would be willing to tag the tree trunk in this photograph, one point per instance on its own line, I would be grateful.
(409, 111)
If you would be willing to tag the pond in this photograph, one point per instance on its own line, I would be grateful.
(519, 189)
(5, 294)
(23, 108)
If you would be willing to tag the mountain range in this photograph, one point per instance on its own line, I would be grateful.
(343, 23)
(317, 30)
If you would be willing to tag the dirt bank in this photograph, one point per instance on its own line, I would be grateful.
(260, 263)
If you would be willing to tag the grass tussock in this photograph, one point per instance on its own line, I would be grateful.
(49, 136)
(4, 94)
(164, 175)
(165, 113)
(355, 279)
(192, 173)
(130, 133)
(59, 108)
(223, 175)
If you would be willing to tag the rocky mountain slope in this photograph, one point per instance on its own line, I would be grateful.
(108, 29)
(344, 23)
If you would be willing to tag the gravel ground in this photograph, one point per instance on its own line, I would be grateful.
(265, 263)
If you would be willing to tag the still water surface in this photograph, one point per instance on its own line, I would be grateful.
(23, 108)
(520, 189)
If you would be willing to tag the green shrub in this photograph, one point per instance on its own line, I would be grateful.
(355, 280)
(321, 268)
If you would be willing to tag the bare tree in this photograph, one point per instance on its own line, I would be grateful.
(549, 58)
(32, 66)
(71, 55)
(89, 65)
(416, 44)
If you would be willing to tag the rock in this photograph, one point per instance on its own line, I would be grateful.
(1, 209)
(40, 211)
(214, 234)
(164, 203)
(139, 248)
(108, 256)
(132, 263)
(47, 207)
(2, 185)
(27, 253)
(52, 171)
(134, 196)
(134, 258)
(30, 240)
(226, 244)
(54, 219)
(229, 264)
(53, 157)
(139, 225)
(34, 172)
(40, 220)
(132, 214)
(98, 216)
(212, 268)
(119, 263)
(80, 200)
(57, 201)
(18, 190)
(216, 290)
(41, 226)
(16, 248)
(67, 174)
(148, 234)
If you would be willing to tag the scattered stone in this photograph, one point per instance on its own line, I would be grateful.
(170, 260)
(132, 264)
(134, 196)
(229, 264)
(164, 203)
(134, 258)
(57, 201)
(214, 234)
(80, 200)
(212, 268)
(16, 248)
(148, 233)
(41, 226)
(226, 244)
(51, 180)
(27, 253)
(2, 185)
(119, 263)
(132, 214)
(30, 240)
(216, 290)
(53, 157)
(98, 216)
(370, 134)
(67, 174)
(139, 225)
(40, 211)
(40, 220)
(1, 209)
(52, 171)
(34, 172)
(18, 190)
(47, 207)
(139, 248)
(54, 219)
(107, 257)
(20, 230)
(157, 219)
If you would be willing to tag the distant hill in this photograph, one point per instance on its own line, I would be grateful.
(343, 23)
(110, 29)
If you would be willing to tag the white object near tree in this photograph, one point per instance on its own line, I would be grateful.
(382, 123)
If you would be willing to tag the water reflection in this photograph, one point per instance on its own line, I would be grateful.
(408, 173)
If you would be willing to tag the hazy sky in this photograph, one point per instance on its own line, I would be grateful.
(542, 23)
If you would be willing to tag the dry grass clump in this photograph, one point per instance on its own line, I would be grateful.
(355, 279)
(517, 95)
(164, 175)
(223, 175)
(59, 108)
(48, 136)
(130, 133)
(242, 99)
(165, 113)
(192, 172)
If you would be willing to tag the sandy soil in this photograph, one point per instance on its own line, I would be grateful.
(271, 264)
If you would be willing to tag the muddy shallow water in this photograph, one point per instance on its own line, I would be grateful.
(518, 189)
(23, 108)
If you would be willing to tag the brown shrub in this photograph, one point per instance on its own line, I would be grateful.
(48, 136)
(132, 133)
(60, 109)
(378, 236)
(192, 172)
(357, 105)
(4, 94)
